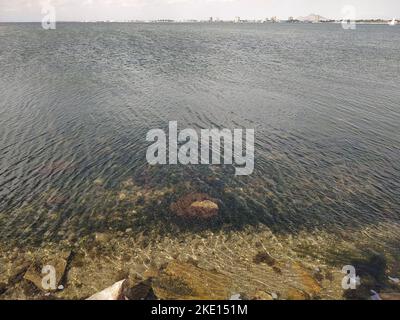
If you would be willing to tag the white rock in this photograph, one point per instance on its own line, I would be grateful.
(115, 292)
(235, 297)
(395, 280)
(375, 295)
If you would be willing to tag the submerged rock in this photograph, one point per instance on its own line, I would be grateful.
(102, 238)
(203, 209)
(184, 281)
(309, 285)
(55, 200)
(196, 205)
(296, 294)
(141, 291)
(262, 295)
(115, 292)
(390, 296)
(98, 182)
(34, 273)
(3, 288)
(56, 167)
(18, 273)
(264, 257)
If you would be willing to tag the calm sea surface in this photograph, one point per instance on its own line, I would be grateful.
(76, 104)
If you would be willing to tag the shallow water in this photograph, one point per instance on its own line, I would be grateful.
(76, 104)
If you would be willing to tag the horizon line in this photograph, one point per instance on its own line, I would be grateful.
(180, 20)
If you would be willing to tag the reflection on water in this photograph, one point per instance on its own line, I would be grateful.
(76, 105)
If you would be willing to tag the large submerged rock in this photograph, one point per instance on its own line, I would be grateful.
(195, 205)
(184, 281)
(35, 275)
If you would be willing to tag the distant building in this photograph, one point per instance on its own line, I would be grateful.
(237, 20)
(210, 19)
(164, 21)
(312, 18)
(274, 19)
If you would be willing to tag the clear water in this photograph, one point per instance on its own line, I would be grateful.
(76, 104)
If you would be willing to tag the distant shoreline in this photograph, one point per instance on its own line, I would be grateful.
(366, 22)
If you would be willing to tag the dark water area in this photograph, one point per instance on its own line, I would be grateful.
(76, 104)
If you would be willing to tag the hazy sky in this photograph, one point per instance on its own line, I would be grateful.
(79, 10)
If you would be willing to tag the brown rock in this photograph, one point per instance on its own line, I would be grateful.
(141, 291)
(318, 276)
(195, 205)
(183, 281)
(262, 295)
(390, 296)
(309, 284)
(34, 272)
(204, 209)
(264, 257)
(296, 294)
(277, 269)
(151, 273)
(102, 238)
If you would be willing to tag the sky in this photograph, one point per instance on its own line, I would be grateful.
(119, 10)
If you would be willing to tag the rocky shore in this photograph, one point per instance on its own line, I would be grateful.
(186, 242)
(114, 266)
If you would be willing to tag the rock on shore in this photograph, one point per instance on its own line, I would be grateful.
(115, 292)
